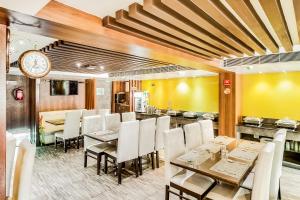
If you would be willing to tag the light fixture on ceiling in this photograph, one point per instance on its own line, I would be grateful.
(78, 64)
(101, 67)
(90, 67)
(249, 67)
(21, 42)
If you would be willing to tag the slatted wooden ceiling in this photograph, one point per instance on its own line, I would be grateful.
(208, 28)
(66, 56)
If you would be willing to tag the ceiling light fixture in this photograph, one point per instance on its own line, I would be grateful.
(78, 64)
(101, 67)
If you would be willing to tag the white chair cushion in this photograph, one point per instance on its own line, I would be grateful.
(248, 183)
(192, 181)
(227, 192)
(98, 148)
(112, 151)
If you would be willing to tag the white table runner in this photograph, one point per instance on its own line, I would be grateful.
(230, 168)
(251, 145)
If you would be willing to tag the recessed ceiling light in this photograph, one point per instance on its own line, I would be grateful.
(101, 67)
(21, 42)
(250, 67)
(78, 64)
(91, 67)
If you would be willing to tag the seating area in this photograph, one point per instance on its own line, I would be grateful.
(149, 100)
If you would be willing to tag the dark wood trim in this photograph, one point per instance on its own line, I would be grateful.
(34, 97)
(3, 56)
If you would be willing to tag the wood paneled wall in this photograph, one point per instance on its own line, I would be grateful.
(50, 103)
(3, 31)
(227, 104)
(17, 112)
(90, 94)
(117, 86)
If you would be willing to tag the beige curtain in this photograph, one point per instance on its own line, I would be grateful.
(90, 94)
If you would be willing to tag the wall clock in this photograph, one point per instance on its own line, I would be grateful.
(34, 64)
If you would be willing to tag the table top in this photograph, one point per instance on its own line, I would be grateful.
(104, 136)
(233, 170)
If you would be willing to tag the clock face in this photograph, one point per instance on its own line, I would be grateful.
(34, 64)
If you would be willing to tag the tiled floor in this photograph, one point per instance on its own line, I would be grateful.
(62, 176)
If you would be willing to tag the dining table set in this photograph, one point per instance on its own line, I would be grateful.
(223, 158)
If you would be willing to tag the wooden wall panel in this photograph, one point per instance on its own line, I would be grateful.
(50, 103)
(17, 112)
(90, 94)
(227, 105)
(3, 32)
(117, 86)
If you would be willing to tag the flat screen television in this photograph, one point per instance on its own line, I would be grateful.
(63, 87)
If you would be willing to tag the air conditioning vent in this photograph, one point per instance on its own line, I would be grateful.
(272, 58)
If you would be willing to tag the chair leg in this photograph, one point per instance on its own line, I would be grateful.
(78, 142)
(167, 194)
(279, 191)
(98, 163)
(55, 142)
(157, 159)
(181, 194)
(152, 160)
(140, 165)
(65, 146)
(85, 159)
(105, 164)
(119, 173)
(136, 167)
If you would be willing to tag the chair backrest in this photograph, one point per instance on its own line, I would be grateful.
(279, 141)
(174, 147)
(91, 124)
(23, 171)
(147, 136)
(193, 135)
(262, 177)
(128, 141)
(72, 124)
(103, 113)
(10, 155)
(112, 121)
(128, 116)
(162, 125)
(207, 130)
(86, 113)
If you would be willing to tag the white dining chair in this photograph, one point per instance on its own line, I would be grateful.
(127, 148)
(162, 125)
(128, 116)
(207, 130)
(183, 180)
(261, 182)
(103, 113)
(10, 156)
(146, 141)
(93, 148)
(193, 135)
(113, 121)
(86, 113)
(23, 171)
(71, 129)
(279, 140)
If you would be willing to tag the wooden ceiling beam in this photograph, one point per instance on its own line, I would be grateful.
(111, 23)
(248, 14)
(122, 17)
(136, 11)
(218, 12)
(274, 12)
(158, 9)
(297, 13)
(201, 19)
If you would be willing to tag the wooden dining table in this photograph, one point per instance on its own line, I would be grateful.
(232, 169)
(104, 136)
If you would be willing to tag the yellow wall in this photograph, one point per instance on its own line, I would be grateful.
(198, 94)
(274, 95)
